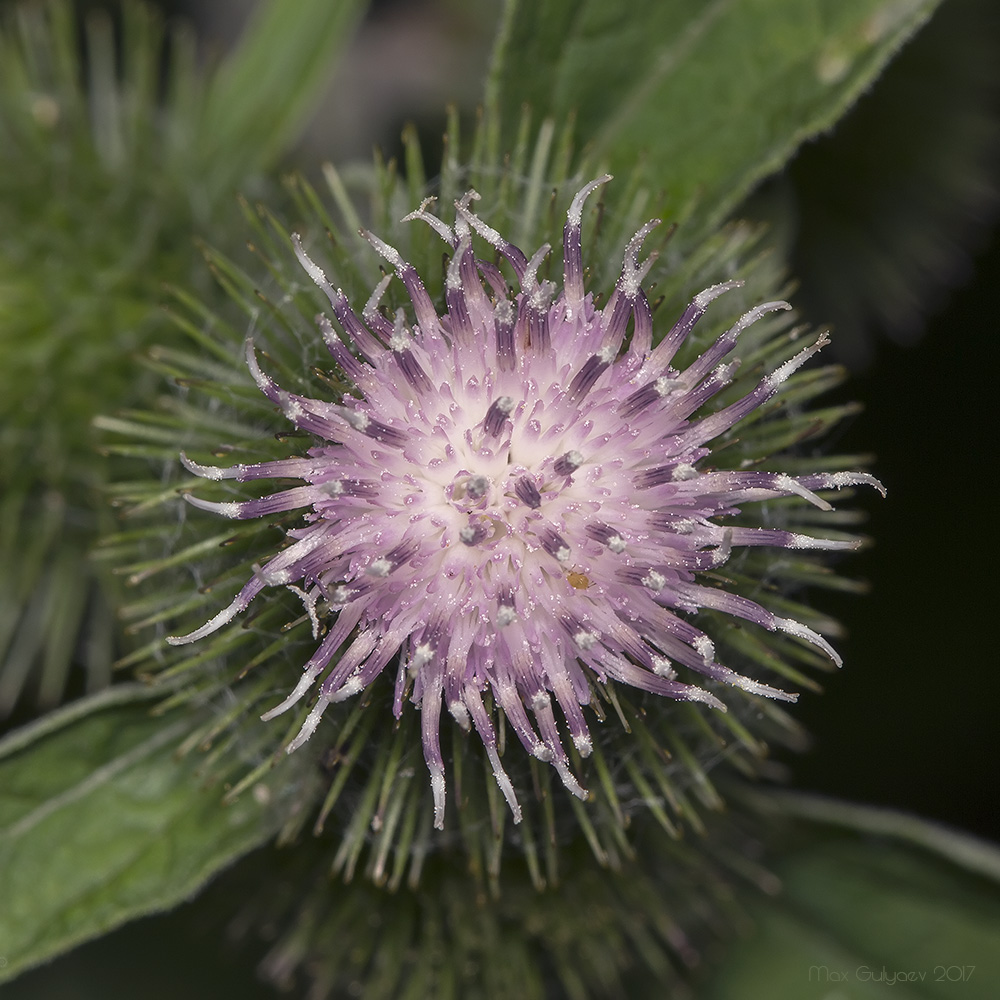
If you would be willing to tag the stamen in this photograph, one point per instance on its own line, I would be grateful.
(528, 493)
(505, 319)
(537, 315)
(680, 331)
(516, 258)
(529, 282)
(399, 554)
(477, 486)
(585, 378)
(454, 292)
(572, 243)
(402, 352)
(370, 313)
(657, 476)
(459, 713)
(606, 535)
(422, 305)
(366, 425)
(473, 534)
(567, 464)
(555, 545)
(496, 415)
(705, 648)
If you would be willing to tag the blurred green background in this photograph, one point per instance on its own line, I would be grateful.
(907, 723)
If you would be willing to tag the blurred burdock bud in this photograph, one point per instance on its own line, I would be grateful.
(116, 149)
(517, 499)
(647, 928)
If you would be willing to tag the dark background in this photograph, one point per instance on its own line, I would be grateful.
(909, 722)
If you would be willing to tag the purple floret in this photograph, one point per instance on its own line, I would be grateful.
(518, 503)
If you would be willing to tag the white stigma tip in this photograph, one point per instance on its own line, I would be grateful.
(617, 544)
(585, 640)
(477, 486)
(705, 648)
(371, 306)
(787, 484)
(418, 212)
(422, 655)
(308, 727)
(351, 688)
(505, 312)
(724, 372)
(460, 713)
(358, 420)
(702, 299)
(312, 269)
(662, 667)
(437, 792)
(655, 581)
(540, 701)
(380, 568)
(703, 696)
(570, 782)
(664, 385)
(755, 687)
(453, 279)
(575, 214)
(209, 471)
(800, 631)
(505, 615)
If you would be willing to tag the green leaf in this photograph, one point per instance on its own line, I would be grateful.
(906, 910)
(102, 821)
(260, 98)
(708, 98)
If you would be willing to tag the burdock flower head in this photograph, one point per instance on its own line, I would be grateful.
(519, 501)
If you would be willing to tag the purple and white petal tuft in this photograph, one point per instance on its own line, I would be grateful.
(521, 502)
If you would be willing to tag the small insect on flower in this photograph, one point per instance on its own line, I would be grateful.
(517, 503)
